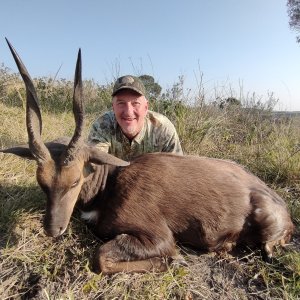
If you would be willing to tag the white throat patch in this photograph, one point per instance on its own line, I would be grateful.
(89, 216)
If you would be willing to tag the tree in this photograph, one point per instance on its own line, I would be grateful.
(153, 89)
(294, 14)
(229, 102)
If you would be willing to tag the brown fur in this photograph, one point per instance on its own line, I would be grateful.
(206, 203)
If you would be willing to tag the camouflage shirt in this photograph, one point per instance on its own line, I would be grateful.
(157, 135)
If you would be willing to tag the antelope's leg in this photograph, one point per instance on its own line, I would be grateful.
(127, 253)
(269, 246)
(109, 266)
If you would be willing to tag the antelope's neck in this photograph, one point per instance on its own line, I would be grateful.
(93, 189)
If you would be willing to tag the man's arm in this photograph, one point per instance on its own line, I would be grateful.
(164, 133)
(170, 138)
(100, 132)
(173, 144)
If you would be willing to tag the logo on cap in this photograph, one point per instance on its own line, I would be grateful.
(126, 80)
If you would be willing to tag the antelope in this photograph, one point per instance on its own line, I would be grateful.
(143, 207)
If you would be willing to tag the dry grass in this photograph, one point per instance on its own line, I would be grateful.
(33, 266)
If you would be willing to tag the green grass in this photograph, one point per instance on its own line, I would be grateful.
(33, 266)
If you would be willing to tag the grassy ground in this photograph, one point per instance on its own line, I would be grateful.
(33, 266)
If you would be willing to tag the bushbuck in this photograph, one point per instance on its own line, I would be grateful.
(144, 206)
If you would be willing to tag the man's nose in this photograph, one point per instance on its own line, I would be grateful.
(129, 108)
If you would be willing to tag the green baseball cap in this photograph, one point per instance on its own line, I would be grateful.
(129, 82)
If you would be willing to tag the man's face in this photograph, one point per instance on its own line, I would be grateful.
(130, 109)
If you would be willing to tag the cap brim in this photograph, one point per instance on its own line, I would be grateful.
(127, 88)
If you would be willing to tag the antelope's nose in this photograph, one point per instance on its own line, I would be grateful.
(54, 230)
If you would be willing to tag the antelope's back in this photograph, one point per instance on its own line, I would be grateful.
(187, 187)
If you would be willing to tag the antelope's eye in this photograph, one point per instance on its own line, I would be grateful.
(76, 182)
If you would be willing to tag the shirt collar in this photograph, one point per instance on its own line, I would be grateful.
(140, 136)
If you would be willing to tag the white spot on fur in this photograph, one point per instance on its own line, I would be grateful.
(258, 211)
(89, 216)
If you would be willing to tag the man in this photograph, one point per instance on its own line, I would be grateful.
(131, 129)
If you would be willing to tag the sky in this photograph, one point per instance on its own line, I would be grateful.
(234, 47)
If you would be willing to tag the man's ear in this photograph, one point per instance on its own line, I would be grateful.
(147, 103)
(112, 104)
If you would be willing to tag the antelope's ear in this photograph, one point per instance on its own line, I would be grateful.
(22, 151)
(99, 157)
(55, 148)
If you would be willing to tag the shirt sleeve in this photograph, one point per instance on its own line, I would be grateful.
(99, 135)
(173, 144)
(171, 141)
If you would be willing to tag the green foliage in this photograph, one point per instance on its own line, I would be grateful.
(55, 96)
(10, 88)
(294, 15)
(176, 92)
(153, 88)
